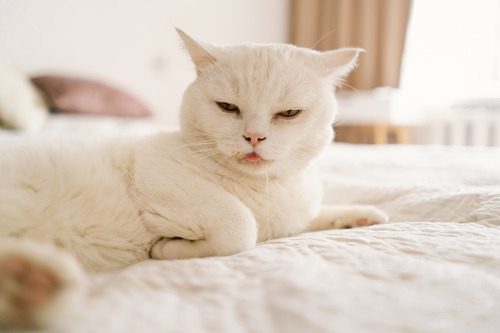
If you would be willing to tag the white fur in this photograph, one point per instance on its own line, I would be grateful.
(69, 274)
(191, 193)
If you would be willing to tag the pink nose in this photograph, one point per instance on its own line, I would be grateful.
(254, 138)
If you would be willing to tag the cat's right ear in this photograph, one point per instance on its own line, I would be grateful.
(200, 53)
(337, 64)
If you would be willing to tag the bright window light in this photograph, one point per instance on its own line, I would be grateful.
(453, 50)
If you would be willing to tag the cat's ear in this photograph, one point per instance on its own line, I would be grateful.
(201, 54)
(339, 63)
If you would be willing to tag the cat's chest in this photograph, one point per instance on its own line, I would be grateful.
(281, 208)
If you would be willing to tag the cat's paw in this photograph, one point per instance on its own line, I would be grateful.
(179, 248)
(25, 288)
(37, 285)
(359, 216)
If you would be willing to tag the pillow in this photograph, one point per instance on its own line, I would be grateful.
(21, 104)
(83, 96)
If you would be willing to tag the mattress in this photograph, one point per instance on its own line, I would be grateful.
(434, 268)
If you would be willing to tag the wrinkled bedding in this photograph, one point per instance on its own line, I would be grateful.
(434, 268)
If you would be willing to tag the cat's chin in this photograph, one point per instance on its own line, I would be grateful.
(252, 165)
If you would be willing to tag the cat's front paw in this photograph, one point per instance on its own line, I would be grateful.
(179, 248)
(359, 216)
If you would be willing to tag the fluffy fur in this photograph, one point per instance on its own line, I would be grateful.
(224, 182)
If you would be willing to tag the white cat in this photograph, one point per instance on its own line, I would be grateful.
(241, 170)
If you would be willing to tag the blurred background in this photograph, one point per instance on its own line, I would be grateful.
(430, 74)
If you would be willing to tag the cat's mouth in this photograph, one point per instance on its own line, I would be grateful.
(253, 157)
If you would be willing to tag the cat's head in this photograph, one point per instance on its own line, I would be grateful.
(262, 108)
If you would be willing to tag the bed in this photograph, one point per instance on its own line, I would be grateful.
(434, 268)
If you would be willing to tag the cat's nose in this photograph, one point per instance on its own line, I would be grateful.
(254, 138)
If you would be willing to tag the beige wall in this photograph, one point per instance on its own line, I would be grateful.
(131, 43)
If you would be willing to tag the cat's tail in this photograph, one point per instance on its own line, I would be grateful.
(40, 285)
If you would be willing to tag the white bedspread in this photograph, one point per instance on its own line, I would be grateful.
(434, 268)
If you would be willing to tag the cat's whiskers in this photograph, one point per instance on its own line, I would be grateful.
(267, 179)
(193, 146)
(343, 83)
(199, 144)
(268, 208)
(205, 151)
(196, 144)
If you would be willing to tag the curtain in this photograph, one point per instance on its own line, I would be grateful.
(378, 26)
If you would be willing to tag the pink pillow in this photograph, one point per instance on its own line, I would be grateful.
(83, 96)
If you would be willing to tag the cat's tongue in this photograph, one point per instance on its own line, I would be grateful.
(253, 157)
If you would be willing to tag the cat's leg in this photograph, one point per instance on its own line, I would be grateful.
(222, 244)
(230, 233)
(180, 248)
(217, 225)
(336, 217)
(39, 284)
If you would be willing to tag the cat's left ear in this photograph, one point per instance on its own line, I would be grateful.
(201, 53)
(339, 63)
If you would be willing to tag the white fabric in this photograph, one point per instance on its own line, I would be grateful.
(419, 183)
(434, 268)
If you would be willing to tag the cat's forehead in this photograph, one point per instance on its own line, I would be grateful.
(275, 71)
(261, 61)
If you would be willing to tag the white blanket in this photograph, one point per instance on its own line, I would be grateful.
(434, 268)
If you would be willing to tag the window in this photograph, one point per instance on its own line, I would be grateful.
(453, 50)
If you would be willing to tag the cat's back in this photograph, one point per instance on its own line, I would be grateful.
(49, 161)
(75, 193)
(39, 177)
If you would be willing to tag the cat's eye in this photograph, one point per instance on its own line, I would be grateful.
(289, 114)
(227, 107)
